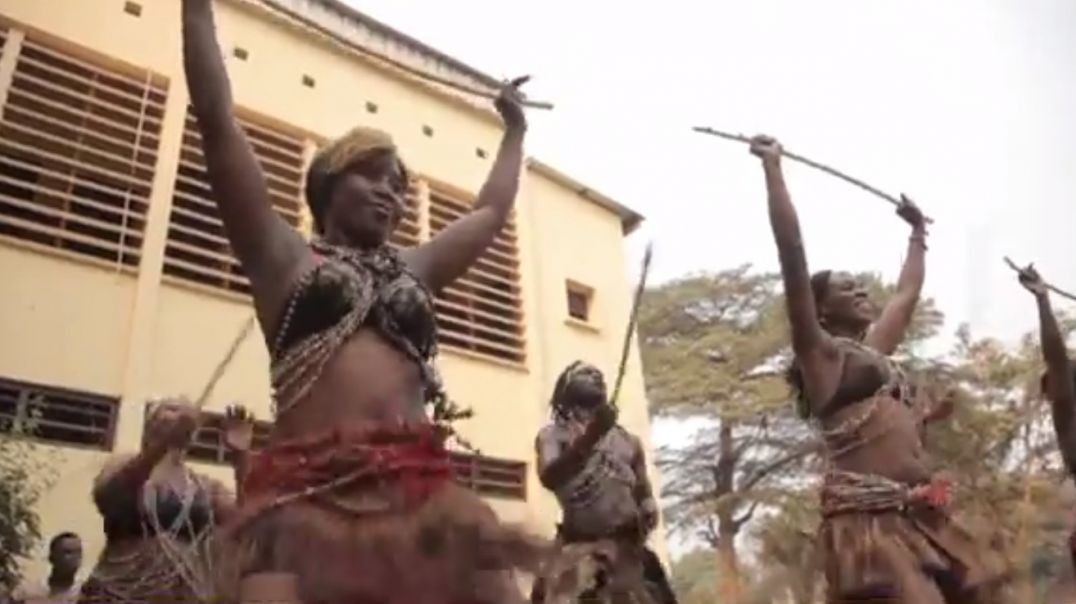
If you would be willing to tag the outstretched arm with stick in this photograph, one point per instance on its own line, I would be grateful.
(889, 330)
(816, 354)
(898, 202)
(1057, 382)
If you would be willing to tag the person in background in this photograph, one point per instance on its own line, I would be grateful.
(1058, 382)
(160, 515)
(597, 471)
(62, 585)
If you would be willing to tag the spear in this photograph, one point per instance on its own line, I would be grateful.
(1053, 288)
(633, 318)
(218, 372)
(803, 160)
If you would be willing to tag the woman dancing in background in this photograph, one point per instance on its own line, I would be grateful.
(885, 534)
(1058, 380)
(353, 500)
(159, 516)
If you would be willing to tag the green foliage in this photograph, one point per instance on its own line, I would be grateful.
(694, 577)
(26, 472)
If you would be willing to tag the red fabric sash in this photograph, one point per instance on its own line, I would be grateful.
(412, 458)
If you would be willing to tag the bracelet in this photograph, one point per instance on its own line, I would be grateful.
(921, 239)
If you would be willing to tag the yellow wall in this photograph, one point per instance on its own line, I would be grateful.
(134, 335)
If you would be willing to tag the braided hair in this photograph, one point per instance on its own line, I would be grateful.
(561, 410)
(794, 374)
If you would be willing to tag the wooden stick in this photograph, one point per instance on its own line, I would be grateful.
(224, 363)
(632, 320)
(824, 168)
(1053, 288)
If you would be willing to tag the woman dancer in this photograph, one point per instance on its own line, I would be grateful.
(885, 533)
(159, 515)
(352, 501)
(1058, 380)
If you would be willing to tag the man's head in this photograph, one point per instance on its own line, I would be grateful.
(65, 553)
(580, 386)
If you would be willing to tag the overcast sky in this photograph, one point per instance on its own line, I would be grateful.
(969, 106)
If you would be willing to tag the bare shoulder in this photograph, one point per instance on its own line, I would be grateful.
(112, 465)
(550, 433)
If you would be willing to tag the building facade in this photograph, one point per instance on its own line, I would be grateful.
(119, 284)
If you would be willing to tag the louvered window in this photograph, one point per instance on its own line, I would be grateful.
(78, 149)
(408, 233)
(491, 476)
(57, 415)
(482, 311)
(197, 250)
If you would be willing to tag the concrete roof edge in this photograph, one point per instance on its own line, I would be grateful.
(356, 15)
(629, 218)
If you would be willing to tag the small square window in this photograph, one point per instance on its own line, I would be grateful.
(133, 8)
(427, 130)
(579, 299)
(480, 152)
(371, 107)
(240, 53)
(308, 81)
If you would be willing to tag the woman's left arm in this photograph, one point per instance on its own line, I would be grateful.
(447, 256)
(889, 330)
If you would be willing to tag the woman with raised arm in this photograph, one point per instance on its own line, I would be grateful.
(885, 534)
(353, 499)
(159, 515)
(1059, 380)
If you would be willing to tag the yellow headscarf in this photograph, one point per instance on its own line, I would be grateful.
(357, 144)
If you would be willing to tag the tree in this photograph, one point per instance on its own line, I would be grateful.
(25, 474)
(714, 347)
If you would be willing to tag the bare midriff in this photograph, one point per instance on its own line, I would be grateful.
(889, 441)
(366, 382)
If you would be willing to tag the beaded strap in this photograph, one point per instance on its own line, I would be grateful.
(296, 368)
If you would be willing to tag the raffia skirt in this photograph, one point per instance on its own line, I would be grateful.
(142, 574)
(900, 552)
(373, 517)
(618, 569)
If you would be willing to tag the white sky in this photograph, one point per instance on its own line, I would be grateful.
(969, 106)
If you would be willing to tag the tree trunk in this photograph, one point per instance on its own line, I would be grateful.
(730, 585)
(728, 564)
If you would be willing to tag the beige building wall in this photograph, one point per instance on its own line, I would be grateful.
(130, 332)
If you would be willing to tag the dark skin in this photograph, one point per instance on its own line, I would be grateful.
(894, 448)
(65, 557)
(1060, 389)
(559, 463)
(368, 379)
(161, 461)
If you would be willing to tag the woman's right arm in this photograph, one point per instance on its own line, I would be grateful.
(123, 476)
(1060, 389)
(559, 462)
(811, 345)
(270, 251)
